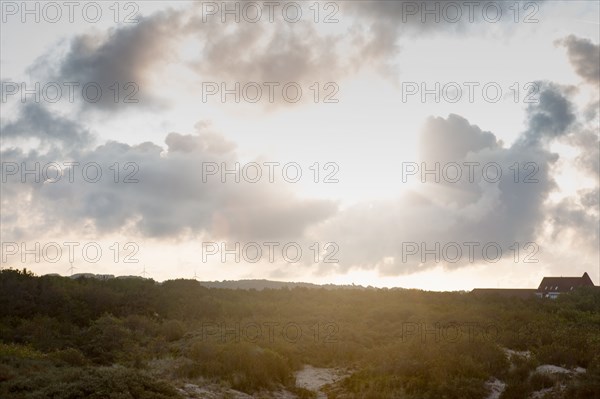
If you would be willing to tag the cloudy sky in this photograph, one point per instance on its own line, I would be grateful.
(435, 145)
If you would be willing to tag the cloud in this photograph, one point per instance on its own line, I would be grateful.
(240, 52)
(125, 55)
(237, 52)
(550, 118)
(505, 212)
(380, 26)
(588, 143)
(584, 56)
(577, 216)
(244, 52)
(453, 138)
(278, 52)
(170, 198)
(171, 201)
(36, 121)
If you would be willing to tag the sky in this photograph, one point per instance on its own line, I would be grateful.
(431, 145)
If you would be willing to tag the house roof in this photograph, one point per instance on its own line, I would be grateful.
(564, 284)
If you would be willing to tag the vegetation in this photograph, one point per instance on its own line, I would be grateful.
(135, 338)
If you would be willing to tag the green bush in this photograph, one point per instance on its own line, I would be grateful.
(173, 330)
(70, 357)
(88, 383)
(585, 385)
(539, 381)
(519, 390)
(106, 341)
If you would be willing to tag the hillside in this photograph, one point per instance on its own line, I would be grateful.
(249, 284)
(135, 338)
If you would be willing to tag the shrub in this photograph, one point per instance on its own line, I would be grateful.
(173, 330)
(70, 357)
(88, 383)
(539, 381)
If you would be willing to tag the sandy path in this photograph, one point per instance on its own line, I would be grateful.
(313, 379)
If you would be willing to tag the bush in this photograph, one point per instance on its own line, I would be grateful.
(106, 341)
(88, 383)
(70, 357)
(173, 330)
(518, 390)
(585, 385)
(539, 381)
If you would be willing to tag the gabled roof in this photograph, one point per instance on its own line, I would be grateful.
(564, 284)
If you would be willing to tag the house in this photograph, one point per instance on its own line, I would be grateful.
(552, 287)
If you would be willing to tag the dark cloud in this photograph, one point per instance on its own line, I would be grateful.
(247, 52)
(382, 25)
(584, 56)
(549, 118)
(237, 52)
(241, 52)
(125, 55)
(170, 198)
(36, 121)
